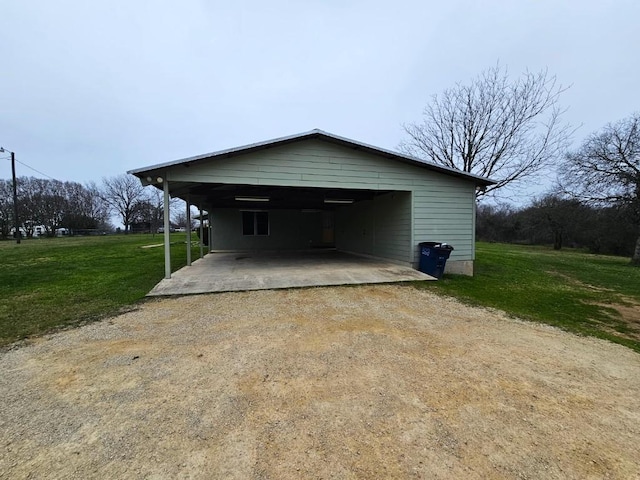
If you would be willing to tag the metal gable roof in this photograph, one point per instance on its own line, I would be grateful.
(320, 135)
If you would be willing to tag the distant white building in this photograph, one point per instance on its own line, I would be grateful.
(40, 231)
(36, 231)
(23, 232)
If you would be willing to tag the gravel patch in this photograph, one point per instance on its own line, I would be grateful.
(360, 382)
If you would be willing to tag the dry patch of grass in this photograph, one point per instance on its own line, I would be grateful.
(622, 310)
(587, 294)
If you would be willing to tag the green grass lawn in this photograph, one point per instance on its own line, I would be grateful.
(52, 282)
(583, 293)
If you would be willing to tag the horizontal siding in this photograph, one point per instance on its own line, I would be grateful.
(437, 217)
(443, 205)
(381, 227)
(448, 198)
(365, 181)
(445, 214)
(393, 226)
(310, 162)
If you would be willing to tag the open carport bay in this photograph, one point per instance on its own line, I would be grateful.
(362, 221)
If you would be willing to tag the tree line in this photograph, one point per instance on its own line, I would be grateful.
(53, 205)
(595, 203)
(561, 222)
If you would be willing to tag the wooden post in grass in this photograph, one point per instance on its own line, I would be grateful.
(167, 231)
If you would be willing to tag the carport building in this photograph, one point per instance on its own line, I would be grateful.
(319, 190)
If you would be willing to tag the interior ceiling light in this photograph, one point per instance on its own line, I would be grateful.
(338, 200)
(252, 199)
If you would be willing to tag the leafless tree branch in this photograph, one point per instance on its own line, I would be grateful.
(605, 170)
(493, 127)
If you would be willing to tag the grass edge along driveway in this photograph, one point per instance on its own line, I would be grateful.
(587, 294)
(52, 283)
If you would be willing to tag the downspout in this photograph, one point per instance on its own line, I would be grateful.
(167, 227)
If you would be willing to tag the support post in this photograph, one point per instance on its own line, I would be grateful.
(210, 230)
(201, 234)
(188, 231)
(167, 232)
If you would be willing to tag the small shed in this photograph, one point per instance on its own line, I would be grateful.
(319, 190)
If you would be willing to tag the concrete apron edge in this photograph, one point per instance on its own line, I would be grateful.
(213, 274)
(157, 291)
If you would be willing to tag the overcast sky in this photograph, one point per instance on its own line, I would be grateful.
(90, 89)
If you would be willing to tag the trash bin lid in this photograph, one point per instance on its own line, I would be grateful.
(430, 244)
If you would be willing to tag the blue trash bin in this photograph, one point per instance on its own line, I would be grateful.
(433, 258)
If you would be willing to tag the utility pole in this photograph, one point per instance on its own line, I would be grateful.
(15, 193)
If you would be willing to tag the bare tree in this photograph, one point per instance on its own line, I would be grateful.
(150, 209)
(556, 215)
(605, 170)
(86, 208)
(29, 199)
(493, 127)
(54, 204)
(49, 203)
(122, 193)
(498, 223)
(180, 220)
(6, 208)
(179, 215)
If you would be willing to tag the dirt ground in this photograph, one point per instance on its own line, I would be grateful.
(356, 382)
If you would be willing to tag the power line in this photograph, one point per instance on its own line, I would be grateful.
(30, 167)
(37, 171)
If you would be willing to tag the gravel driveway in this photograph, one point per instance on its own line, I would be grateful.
(352, 382)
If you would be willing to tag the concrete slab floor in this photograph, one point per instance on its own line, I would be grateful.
(238, 271)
